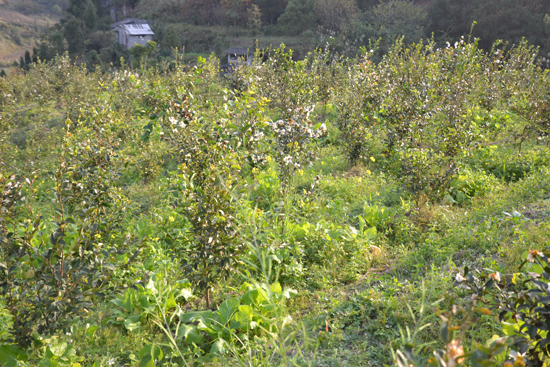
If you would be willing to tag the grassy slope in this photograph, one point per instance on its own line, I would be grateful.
(364, 301)
(19, 32)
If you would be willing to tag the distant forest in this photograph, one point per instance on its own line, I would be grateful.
(343, 25)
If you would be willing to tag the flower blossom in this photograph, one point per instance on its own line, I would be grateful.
(533, 255)
(454, 351)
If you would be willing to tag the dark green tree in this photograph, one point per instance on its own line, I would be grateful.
(298, 17)
(22, 63)
(28, 59)
(114, 53)
(388, 21)
(172, 40)
(271, 9)
(2, 73)
(90, 14)
(74, 35)
(365, 5)
(77, 7)
(34, 54)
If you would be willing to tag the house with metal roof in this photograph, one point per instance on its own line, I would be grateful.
(237, 56)
(132, 32)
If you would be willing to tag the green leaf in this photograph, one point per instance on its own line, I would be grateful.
(243, 317)
(170, 302)
(227, 309)
(219, 347)
(132, 322)
(91, 331)
(276, 288)
(149, 355)
(57, 350)
(11, 354)
(254, 297)
(371, 233)
(48, 362)
(190, 334)
(510, 329)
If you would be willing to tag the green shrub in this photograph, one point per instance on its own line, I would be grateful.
(6, 322)
(470, 183)
(509, 165)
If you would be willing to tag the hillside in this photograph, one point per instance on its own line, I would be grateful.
(20, 32)
(326, 212)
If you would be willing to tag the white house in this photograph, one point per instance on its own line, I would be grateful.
(132, 32)
(239, 56)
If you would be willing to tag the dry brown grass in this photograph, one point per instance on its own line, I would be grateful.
(12, 20)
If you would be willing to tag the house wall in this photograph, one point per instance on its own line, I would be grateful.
(121, 37)
(140, 40)
(232, 59)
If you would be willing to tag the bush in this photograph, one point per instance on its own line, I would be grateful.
(470, 183)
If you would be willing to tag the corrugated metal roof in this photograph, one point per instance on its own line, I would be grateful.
(137, 29)
(130, 21)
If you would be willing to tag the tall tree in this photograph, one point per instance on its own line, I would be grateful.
(271, 9)
(85, 10)
(255, 19)
(332, 13)
(34, 54)
(236, 10)
(90, 14)
(28, 59)
(74, 35)
(298, 17)
(388, 21)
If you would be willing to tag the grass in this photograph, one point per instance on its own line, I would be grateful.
(18, 33)
(355, 308)
(357, 288)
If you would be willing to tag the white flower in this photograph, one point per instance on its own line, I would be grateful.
(175, 131)
(459, 278)
(173, 120)
(517, 356)
(495, 277)
(548, 288)
(287, 160)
